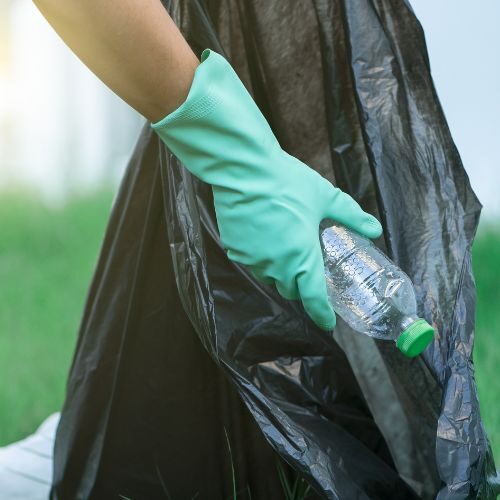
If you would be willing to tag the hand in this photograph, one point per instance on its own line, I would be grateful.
(272, 223)
(268, 204)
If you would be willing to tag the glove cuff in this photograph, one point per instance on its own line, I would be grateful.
(201, 99)
(218, 132)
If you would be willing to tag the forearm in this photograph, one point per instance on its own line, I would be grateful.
(133, 46)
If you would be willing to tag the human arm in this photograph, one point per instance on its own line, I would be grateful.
(133, 46)
(268, 204)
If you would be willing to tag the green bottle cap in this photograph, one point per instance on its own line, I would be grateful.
(415, 338)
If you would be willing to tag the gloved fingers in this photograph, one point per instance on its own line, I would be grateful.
(288, 289)
(313, 292)
(344, 209)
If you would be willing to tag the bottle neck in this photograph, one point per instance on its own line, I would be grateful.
(405, 322)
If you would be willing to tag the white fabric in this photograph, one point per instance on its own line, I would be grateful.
(26, 466)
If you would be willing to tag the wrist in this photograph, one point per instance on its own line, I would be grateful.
(219, 126)
(176, 93)
(200, 99)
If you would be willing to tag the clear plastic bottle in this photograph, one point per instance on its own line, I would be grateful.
(370, 292)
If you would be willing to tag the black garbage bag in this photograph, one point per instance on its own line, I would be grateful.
(190, 379)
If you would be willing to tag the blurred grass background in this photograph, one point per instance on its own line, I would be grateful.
(47, 257)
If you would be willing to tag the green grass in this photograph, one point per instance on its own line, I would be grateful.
(46, 262)
(486, 264)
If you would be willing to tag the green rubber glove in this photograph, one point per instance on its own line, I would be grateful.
(268, 204)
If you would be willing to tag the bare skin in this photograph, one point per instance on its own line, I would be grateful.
(133, 46)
